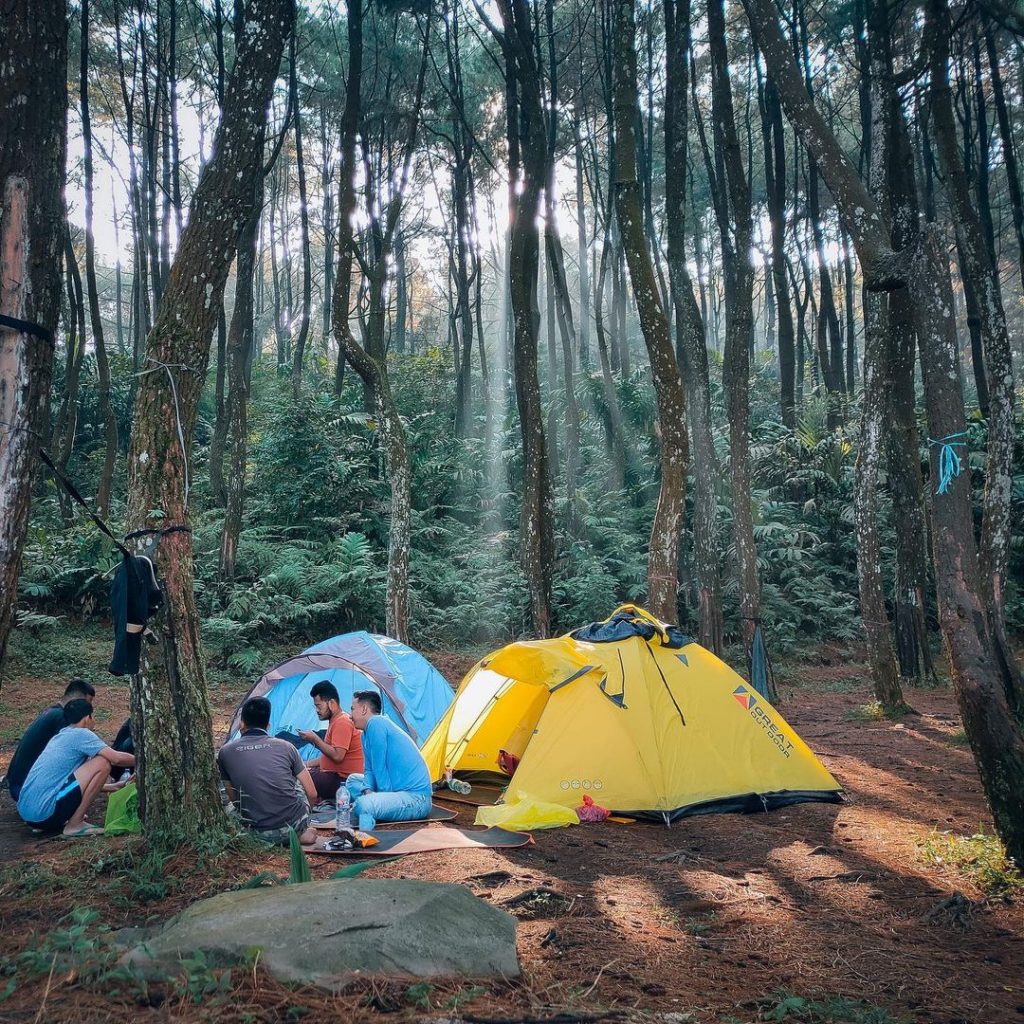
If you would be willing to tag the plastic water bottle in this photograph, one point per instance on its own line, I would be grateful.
(456, 785)
(343, 812)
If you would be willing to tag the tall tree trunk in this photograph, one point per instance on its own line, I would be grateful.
(976, 266)
(239, 354)
(690, 333)
(739, 297)
(307, 270)
(1008, 147)
(663, 552)
(33, 114)
(616, 431)
(370, 361)
(994, 733)
(527, 146)
(402, 295)
(67, 424)
(96, 321)
(581, 240)
(219, 438)
(775, 180)
(326, 186)
(62, 439)
(881, 656)
(178, 794)
(903, 442)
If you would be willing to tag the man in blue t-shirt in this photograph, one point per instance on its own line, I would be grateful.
(395, 785)
(34, 739)
(68, 776)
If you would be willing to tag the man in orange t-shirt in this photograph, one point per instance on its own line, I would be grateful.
(341, 750)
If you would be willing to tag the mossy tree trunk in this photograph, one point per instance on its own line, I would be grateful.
(33, 147)
(170, 709)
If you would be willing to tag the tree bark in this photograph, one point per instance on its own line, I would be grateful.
(96, 321)
(663, 552)
(238, 355)
(881, 656)
(690, 336)
(775, 182)
(527, 162)
(370, 362)
(739, 300)
(178, 793)
(976, 265)
(307, 270)
(994, 733)
(219, 438)
(33, 113)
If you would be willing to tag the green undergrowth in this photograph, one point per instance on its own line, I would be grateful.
(981, 858)
(828, 1010)
(874, 711)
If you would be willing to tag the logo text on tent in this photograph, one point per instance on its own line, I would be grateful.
(759, 715)
(581, 784)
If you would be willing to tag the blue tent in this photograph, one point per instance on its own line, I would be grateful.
(413, 693)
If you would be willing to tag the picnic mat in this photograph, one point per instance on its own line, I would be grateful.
(326, 821)
(478, 796)
(427, 840)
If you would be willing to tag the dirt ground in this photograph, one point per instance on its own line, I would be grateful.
(697, 922)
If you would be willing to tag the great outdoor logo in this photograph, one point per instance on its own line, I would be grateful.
(748, 701)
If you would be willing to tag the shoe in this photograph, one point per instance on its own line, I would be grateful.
(82, 832)
(323, 807)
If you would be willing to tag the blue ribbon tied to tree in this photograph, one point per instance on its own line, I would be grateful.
(950, 463)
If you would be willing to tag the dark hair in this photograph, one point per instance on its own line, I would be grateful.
(80, 688)
(75, 710)
(256, 713)
(371, 697)
(325, 691)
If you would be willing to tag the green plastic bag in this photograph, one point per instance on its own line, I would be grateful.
(123, 812)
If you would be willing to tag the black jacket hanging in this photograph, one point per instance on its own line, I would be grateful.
(135, 596)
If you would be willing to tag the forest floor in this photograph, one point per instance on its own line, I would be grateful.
(815, 913)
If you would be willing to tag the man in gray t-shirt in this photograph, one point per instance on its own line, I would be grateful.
(266, 777)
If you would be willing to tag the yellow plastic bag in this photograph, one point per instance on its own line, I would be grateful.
(527, 814)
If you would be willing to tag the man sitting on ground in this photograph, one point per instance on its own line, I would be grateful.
(341, 749)
(40, 732)
(266, 779)
(396, 783)
(68, 776)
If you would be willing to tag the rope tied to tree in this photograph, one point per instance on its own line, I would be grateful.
(167, 367)
(950, 464)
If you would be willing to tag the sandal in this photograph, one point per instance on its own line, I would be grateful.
(82, 831)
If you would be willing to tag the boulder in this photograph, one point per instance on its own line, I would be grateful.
(327, 933)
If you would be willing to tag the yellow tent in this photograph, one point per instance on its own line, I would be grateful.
(632, 713)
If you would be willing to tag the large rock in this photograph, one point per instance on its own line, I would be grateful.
(324, 933)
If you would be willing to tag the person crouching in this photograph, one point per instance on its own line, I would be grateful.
(68, 776)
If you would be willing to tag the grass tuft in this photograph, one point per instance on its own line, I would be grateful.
(981, 858)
